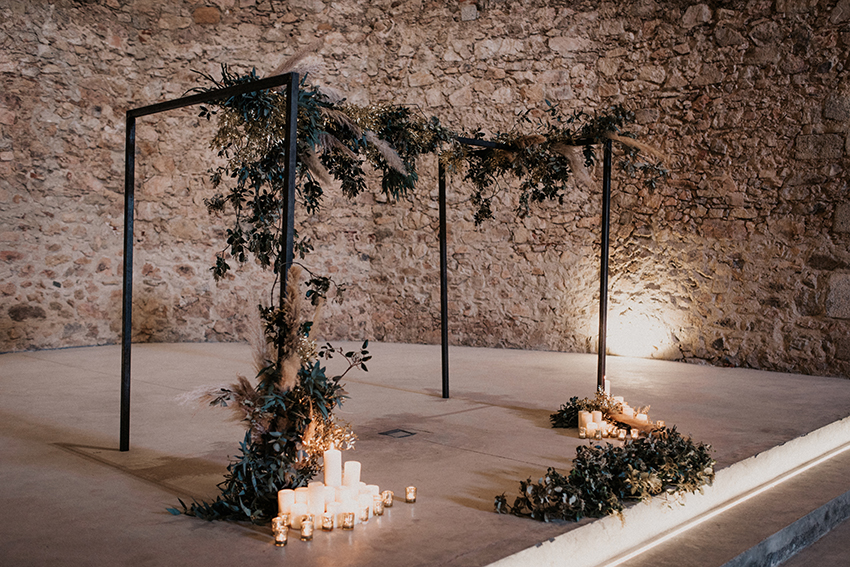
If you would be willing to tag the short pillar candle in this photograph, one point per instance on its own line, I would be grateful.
(351, 477)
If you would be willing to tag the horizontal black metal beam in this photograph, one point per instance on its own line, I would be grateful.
(211, 96)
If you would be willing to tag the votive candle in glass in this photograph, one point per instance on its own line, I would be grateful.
(377, 505)
(635, 433)
(348, 520)
(659, 424)
(327, 521)
(582, 433)
(364, 514)
(307, 528)
(387, 497)
(280, 528)
(410, 494)
(597, 433)
(621, 435)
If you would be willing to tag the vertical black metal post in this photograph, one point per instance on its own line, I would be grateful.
(444, 284)
(127, 306)
(603, 267)
(288, 213)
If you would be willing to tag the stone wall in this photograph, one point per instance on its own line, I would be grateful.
(741, 258)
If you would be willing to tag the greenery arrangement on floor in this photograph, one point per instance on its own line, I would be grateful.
(604, 478)
(567, 416)
(289, 412)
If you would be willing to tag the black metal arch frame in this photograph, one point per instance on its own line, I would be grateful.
(603, 259)
(290, 83)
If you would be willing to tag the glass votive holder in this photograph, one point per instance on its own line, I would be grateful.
(410, 494)
(597, 434)
(635, 433)
(348, 520)
(659, 424)
(621, 434)
(582, 433)
(387, 497)
(364, 514)
(280, 530)
(307, 528)
(327, 521)
(377, 505)
(286, 519)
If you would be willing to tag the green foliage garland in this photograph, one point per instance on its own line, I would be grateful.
(603, 479)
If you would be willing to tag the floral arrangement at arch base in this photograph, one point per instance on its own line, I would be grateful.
(605, 477)
(288, 416)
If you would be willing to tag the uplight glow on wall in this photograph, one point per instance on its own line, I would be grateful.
(633, 332)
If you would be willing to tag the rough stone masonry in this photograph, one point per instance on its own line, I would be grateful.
(741, 258)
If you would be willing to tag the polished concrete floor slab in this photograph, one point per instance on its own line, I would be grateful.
(72, 498)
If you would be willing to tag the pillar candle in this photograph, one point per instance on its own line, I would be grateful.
(607, 386)
(628, 411)
(641, 417)
(301, 495)
(373, 489)
(333, 467)
(352, 474)
(597, 416)
(316, 498)
(584, 417)
(299, 510)
(285, 500)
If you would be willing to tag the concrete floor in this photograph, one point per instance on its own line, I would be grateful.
(71, 498)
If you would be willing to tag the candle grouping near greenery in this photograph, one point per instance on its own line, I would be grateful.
(340, 502)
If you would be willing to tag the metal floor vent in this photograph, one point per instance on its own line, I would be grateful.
(397, 433)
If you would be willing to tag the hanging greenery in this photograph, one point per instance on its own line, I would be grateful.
(604, 478)
(558, 148)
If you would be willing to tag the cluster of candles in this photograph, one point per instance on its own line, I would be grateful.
(341, 501)
(592, 426)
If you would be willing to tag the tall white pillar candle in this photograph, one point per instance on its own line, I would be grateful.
(333, 467)
(285, 500)
(352, 474)
(301, 495)
(597, 416)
